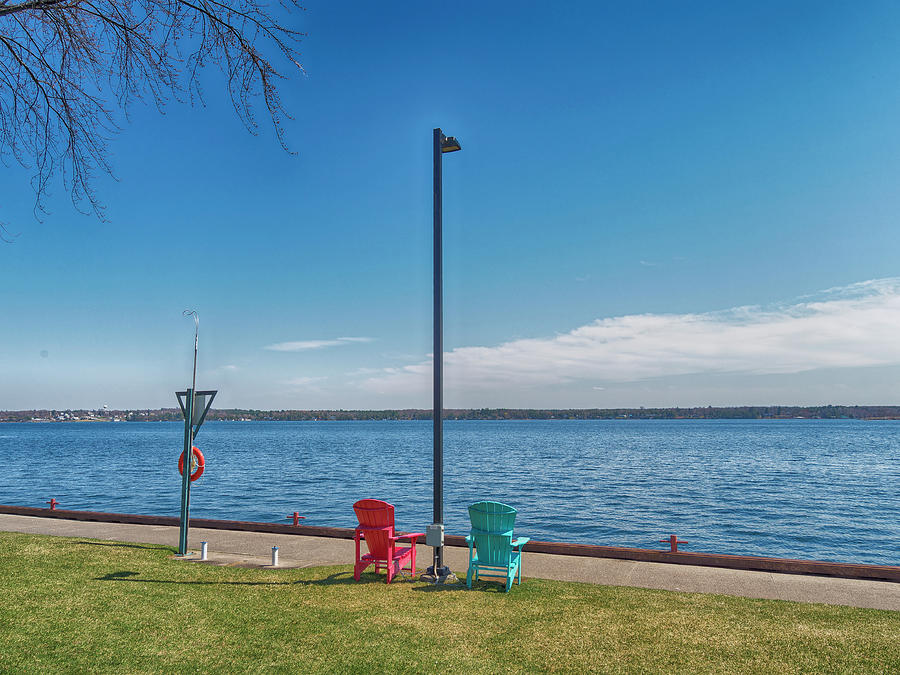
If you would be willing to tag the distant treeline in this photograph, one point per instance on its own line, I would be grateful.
(236, 414)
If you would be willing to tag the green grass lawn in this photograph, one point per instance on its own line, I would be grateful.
(99, 606)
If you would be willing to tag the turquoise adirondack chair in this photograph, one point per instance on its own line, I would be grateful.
(492, 550)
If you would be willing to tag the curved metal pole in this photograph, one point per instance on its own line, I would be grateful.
(193, 312)
(438, 355)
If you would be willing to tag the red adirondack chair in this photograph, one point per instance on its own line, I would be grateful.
(376, 526)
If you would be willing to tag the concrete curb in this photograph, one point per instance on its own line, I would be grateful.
(736, 562)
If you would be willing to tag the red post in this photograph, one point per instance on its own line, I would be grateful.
(673, 543)
(52, 503)
(297, 517)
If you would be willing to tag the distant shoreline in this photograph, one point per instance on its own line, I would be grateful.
(246, 415)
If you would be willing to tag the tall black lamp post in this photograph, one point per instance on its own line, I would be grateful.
(435, 532)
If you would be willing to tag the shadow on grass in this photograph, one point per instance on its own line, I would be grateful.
(151, 547)
(477, 586)
(346, 578)
(338, 578)
(134, 578)
(440, 588)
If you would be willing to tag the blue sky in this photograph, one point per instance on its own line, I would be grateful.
(638, 182)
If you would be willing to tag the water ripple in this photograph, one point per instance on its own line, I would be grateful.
(802, 489)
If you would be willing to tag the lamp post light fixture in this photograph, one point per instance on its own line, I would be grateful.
(435, 533)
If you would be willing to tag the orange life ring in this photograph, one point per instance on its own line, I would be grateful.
(197, 463)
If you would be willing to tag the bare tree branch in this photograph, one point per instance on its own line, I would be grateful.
(67, 65)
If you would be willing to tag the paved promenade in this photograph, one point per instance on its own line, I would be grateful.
(253, 549)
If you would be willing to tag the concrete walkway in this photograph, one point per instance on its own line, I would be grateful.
(253, 549)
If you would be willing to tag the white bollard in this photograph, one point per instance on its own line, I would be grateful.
(203, 548)
(274, 556)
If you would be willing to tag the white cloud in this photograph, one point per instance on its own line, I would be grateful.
(845, 327)
(305, 345)
(302, 382)
(364, 371)
(355, 339)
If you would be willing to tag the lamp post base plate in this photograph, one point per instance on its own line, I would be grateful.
(443, 576)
